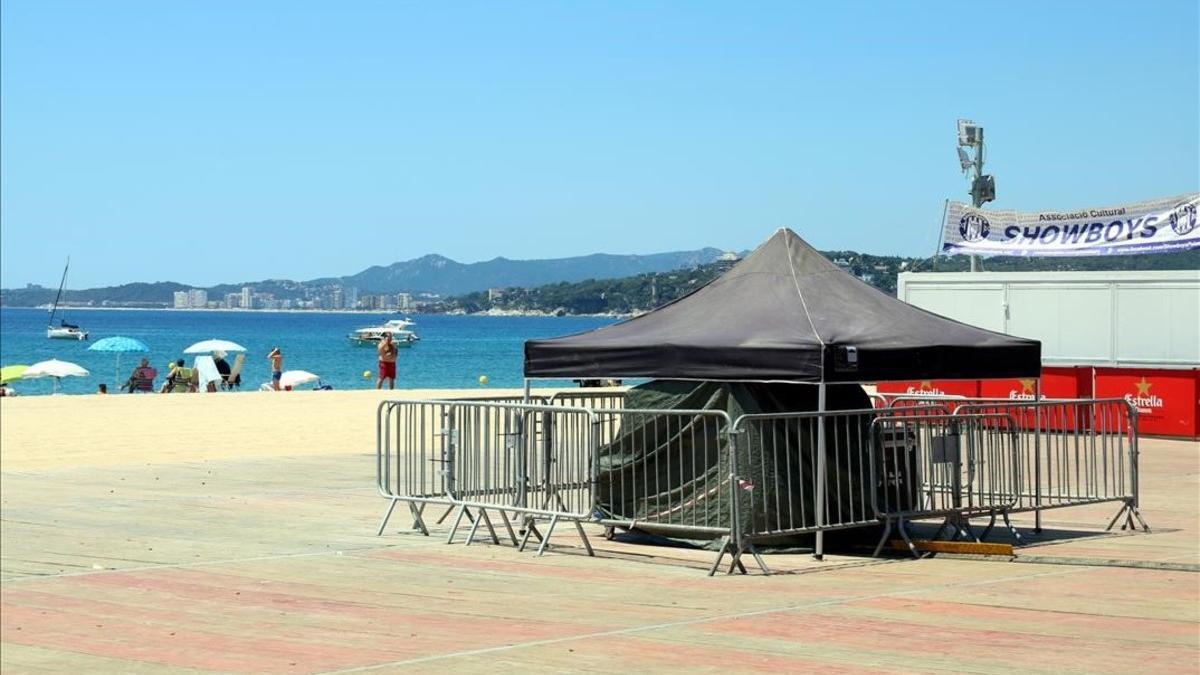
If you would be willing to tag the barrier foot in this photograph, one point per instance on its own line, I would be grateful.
(418, 522)
(462, 510)
(530, 530)
(583, 535)
(508, 526)
(988, 530)
(735, 562)
(887, 529)
(1012, 530)
(388, 514)
(549, 532)
(474, 528)
(491, 530)
(720, 554)
(483, 518)
(758, 559)
(1130, 512)
(449, 510)
(907, 539)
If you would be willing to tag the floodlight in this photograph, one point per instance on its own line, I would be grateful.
(969, 133)
(963, 159)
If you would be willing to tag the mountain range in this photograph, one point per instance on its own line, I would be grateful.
(430, 274)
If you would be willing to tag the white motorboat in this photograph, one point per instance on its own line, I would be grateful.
(64, 330)
(401, 330)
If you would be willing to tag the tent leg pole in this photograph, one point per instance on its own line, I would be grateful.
(819, 549)
(527, 387)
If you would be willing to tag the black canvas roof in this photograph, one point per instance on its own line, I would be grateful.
(785, 313)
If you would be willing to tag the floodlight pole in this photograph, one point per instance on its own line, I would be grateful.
(976, 200)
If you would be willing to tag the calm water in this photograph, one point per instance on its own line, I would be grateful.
(453, 352)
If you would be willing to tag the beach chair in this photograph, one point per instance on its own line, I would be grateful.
(234, 379)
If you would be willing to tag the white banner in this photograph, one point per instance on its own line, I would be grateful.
(1155, 226)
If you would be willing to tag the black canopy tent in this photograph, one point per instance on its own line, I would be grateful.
(784, 314)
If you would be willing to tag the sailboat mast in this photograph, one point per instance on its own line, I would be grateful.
(60, 290)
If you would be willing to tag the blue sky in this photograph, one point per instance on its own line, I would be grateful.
(207, 142)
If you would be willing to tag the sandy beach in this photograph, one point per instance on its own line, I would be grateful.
(49, 432)
(236, 533)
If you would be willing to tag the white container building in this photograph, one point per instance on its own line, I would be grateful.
(1135, 319)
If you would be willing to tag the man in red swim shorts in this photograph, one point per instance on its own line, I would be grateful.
(387, 362)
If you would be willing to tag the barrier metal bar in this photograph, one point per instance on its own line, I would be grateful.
(668, 472)
(1075, 452)
(589, 398)
(695, 473)
(783, 463)
(491, 456)
(955, 467)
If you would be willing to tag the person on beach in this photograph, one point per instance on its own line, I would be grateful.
(142, 378)
(276, 358)
(387, 362)
(102, 389)
(228, 379)
(179, 379)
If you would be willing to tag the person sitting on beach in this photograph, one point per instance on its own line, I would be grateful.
(6, 390)
(142, 378)
(276, 358)
(387, 362)
(225, 371)
(102, 388)
(179, 379)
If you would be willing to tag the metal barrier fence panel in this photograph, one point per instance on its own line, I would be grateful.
(694, 473)
(666, 468)
(939, 465)
(513, 457)
(780, 482)
(1072, 452)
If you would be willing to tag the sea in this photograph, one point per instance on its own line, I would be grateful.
(454, 351)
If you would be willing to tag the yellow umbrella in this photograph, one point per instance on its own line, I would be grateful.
(11, 373)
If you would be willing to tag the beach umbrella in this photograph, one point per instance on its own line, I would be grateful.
(118, 345)
(295, 378)
(56, 369)
(12, 373)
(209, 346)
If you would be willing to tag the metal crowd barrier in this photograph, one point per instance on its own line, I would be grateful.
(660, 470)
(473, 457)
(952, 466)
(756, 479)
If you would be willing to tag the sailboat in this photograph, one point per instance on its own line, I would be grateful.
(64, 330)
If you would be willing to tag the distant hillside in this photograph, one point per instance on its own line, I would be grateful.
(149, 294)
(439, 275)
(643, 292)
(443, 276)
(429, 274)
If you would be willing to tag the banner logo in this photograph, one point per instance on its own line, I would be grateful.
(924, 387)
(974, 227)
(1143, 400)
(1183, 218)
(1027, 393)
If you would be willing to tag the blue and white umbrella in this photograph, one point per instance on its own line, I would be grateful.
(118, 345)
